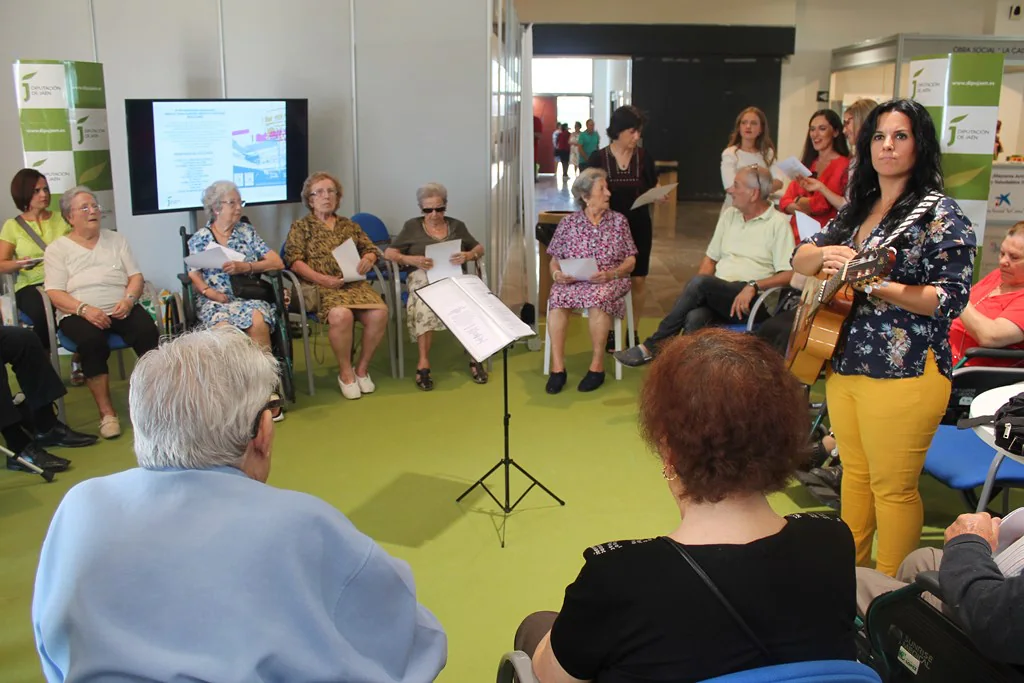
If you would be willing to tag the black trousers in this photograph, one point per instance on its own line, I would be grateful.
(137, 329)
(30, 302)
(705, 301)
(31, 365)
(776, 330)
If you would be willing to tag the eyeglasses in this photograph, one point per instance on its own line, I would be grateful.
(272, 404)
(430, 210)
(88, 208)
(231, 203)
(325, 192)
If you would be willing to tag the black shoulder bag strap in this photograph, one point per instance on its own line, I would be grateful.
(31, 233)
(721, 598)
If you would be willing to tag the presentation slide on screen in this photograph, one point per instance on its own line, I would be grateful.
(200, 142)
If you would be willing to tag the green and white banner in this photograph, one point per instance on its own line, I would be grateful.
(63, 114)
(961, 92)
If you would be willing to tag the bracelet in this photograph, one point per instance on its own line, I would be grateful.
(252, 268)
(81, 308)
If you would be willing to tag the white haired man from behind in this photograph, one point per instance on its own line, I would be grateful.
(190, 567)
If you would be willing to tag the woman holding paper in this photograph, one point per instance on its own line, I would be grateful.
(853, 119)
(827, 156)
(94, 283)
(217, 303)
(409, 249)
(601, 235)
(630, 172)
(309, 253)
(749, 145)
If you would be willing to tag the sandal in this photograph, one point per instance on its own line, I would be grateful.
(423, 380)
(478, 372)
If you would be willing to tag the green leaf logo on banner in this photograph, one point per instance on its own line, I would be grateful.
(952, 128)
(917, 73)
(24, 84)
(81, 128)
(90, 174)
(962, 178)
(39, 163)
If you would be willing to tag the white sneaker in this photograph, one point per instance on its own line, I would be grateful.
(366, 384)
(350, 391)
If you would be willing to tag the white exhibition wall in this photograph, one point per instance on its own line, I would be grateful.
(422, 93)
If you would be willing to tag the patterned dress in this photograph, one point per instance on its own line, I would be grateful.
(885, 341)
(236, 312)
(311, 241)
(609, 243)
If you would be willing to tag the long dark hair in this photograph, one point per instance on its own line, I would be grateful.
(838, 141)
(925, 176)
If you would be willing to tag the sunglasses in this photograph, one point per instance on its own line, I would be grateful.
(272, 404)
(438, 209)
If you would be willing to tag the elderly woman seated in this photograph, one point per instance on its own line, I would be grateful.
(599, 233)
(218, 303)
(409, 249)
(191, 568)
(341, 301)
(728, 423)
(93, 281)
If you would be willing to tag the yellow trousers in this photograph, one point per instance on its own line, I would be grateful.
(883, 429)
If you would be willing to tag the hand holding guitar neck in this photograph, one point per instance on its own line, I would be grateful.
(834, 258)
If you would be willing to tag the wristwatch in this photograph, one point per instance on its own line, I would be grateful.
(753, 283)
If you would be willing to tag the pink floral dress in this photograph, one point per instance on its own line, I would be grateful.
(609, 243)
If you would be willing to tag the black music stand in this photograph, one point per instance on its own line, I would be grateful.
(507, 462)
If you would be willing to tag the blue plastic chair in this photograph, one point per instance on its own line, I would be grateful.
(961, 461)
(759, 302)
(823, 671)
(516, 666)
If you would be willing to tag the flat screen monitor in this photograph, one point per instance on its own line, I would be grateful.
(177, 148)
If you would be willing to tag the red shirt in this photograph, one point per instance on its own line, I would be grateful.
(563, 141)
(1009, 306)
(834, 177)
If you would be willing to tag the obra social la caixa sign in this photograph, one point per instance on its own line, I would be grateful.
(63, 118)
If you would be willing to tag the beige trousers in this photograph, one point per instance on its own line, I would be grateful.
(872, 583)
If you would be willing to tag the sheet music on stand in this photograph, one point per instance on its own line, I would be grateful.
(474, 314)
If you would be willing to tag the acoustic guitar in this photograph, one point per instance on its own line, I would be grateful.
(820, 318)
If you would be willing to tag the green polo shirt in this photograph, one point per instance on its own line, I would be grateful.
(751, 250)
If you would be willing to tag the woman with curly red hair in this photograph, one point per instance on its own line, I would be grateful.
(729, 424)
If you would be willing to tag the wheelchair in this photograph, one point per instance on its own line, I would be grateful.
(910, 640)
(181, 315)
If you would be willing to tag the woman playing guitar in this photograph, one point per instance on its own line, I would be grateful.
(889, 381)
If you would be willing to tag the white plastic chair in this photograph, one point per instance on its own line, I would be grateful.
(630, 331)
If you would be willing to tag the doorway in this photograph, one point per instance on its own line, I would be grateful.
(691, 105)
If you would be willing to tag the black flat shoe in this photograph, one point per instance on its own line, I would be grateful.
(556, 380)
(592, 380)
(831, 477)
(62, 435)
(423, 380)
(38, 457)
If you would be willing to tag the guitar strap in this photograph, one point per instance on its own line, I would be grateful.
(924, 206)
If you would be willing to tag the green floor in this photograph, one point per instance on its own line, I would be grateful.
(394, 462)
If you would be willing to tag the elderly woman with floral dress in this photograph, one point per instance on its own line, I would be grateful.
(595, 232)
(409, 249)
(308, 251)
(217, 303)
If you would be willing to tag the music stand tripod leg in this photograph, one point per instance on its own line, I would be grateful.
(506, 461)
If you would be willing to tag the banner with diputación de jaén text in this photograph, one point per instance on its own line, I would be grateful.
(62, 111)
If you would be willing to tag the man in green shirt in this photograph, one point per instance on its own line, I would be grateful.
(589, 143)
(749, 253)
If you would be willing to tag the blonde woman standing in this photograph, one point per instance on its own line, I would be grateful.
(749, 145)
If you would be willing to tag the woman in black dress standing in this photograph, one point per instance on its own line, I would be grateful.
(630, 172)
